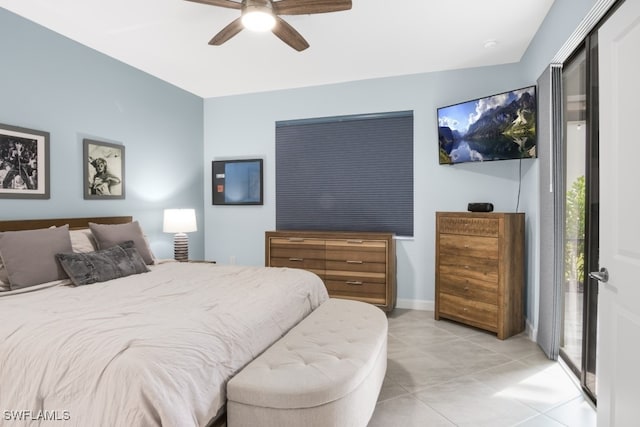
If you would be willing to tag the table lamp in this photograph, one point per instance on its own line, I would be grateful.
(180, 222)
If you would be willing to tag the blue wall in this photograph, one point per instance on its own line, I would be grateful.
(561, 21)
(243, 126)
(50, 83)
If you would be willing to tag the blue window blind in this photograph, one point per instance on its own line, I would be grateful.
(348, 173)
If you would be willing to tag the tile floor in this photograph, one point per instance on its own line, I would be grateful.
(441, 373)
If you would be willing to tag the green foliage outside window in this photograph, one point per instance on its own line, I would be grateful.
(574, 232)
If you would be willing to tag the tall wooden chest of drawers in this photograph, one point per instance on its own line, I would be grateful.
(353, 265)
(480, 270)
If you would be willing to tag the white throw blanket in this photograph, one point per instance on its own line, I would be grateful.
(145, 350)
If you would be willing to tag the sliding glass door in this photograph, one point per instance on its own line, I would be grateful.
(574, 91)
(579, 330)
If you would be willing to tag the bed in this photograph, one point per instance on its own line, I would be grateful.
(147, 349)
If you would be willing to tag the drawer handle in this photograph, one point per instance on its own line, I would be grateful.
(354, 282)
(296, 259)
(354, 262)
(466, 288)
(465, 309)
(355, 241)
(466, 266)
(466, 246)
(296, 239)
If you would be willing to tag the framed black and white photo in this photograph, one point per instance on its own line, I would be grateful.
(24, 163)
(103, 170)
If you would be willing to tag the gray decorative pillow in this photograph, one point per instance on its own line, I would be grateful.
(29, 255)
(117, 261)
(108, 235)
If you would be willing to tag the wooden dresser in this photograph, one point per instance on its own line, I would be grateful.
(353, 265)
(480, 270)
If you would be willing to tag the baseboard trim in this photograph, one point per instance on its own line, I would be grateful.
(414, 304)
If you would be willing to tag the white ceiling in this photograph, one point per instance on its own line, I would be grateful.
(377, 38)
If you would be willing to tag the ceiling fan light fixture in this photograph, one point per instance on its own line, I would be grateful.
(257, 18)
(265, 15)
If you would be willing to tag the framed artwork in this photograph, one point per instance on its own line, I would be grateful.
(24, 163)
(103, 170)
(237, 182)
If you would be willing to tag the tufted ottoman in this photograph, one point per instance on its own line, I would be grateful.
(326, 371)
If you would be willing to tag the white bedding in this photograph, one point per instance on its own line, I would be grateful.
(145, 350)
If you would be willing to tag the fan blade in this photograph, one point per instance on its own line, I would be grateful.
(227, 32)
(222, 3)
(307, 7)
(289, 35)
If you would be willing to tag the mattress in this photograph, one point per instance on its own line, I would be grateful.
(146, 350)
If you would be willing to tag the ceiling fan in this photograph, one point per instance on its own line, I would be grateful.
(264, 15)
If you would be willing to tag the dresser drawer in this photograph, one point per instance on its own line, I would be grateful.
(316, 265)
(473, 312)
(296, 243)
(298, 252)
(469, 246)
(474, 268)
(469, 288)
(469, 226)
(355, 276)
(361, 244)
(372, 291)
(353, 265)
(356, 251)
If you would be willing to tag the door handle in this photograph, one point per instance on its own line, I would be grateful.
(601, 276)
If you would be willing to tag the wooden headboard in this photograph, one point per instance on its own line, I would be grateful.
(74, 223)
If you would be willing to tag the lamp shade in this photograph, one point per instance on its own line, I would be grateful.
(179, 221)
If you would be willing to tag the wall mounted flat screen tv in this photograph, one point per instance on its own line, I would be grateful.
(497, 127)
(237, 182)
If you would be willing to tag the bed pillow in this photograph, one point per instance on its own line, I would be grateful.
(109, 235)
(82, 241)
(117, 261)
(29, 255)
(4, 276)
